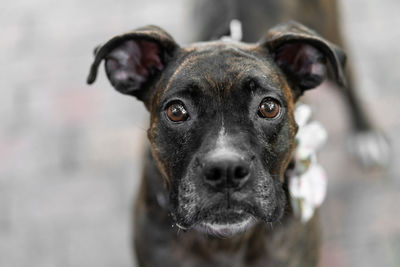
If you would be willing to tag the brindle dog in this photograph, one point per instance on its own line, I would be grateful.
(222, 135)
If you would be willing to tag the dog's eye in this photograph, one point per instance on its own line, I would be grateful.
(176, 112)
(269, 108)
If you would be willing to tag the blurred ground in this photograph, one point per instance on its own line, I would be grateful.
(70, 154)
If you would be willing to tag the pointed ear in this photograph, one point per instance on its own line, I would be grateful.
(134, 60)
(303, 55)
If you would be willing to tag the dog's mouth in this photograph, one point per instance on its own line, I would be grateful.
(226, 223)
(227, 211)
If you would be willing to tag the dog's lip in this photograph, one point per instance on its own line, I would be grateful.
(227, 228)
(226, 216)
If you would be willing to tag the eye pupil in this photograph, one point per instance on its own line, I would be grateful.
(177, 112)
(269, 108)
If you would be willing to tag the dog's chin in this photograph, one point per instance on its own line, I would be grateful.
(226, 228)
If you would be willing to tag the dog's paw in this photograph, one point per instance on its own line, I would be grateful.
(370, 148)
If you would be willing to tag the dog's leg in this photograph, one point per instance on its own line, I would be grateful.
(367, 144)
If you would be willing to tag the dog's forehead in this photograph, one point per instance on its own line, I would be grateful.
(218, 66)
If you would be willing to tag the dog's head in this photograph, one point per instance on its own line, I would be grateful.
(222, 125)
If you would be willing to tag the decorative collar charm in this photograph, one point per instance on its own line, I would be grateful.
(235, 31)
(307, 181)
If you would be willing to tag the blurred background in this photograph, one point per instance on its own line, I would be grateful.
(70, 154)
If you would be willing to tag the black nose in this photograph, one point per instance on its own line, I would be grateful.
(226, 172)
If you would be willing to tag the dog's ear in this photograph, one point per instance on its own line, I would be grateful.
(134, 60)
(303, 55)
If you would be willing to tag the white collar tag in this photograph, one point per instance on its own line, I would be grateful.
(235, 29)
(308, 181)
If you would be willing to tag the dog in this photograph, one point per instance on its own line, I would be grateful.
(222, 132)
(222, 135)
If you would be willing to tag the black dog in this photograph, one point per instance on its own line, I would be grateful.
(222, 135)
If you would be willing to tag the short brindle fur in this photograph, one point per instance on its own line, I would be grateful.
(216, 166)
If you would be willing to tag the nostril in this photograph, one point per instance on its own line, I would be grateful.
(226, 172)
(213, 174)
(241, 172)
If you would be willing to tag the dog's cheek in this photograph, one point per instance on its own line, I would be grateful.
(186, 201)
(270, 199)
(175, 146)
(171, 146)
(278, 149)
(281, 200)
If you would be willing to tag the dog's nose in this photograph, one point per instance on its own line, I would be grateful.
(226, 172)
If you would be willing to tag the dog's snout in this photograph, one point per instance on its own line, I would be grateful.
(226, 172)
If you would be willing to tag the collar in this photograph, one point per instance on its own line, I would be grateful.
(307, 181)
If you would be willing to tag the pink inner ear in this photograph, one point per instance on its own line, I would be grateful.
(133, 60)
(300, 59)
(149, 57)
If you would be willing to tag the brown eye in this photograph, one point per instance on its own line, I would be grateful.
(177, 112)
(269, 108)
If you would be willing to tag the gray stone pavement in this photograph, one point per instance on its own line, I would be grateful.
(70, 154)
